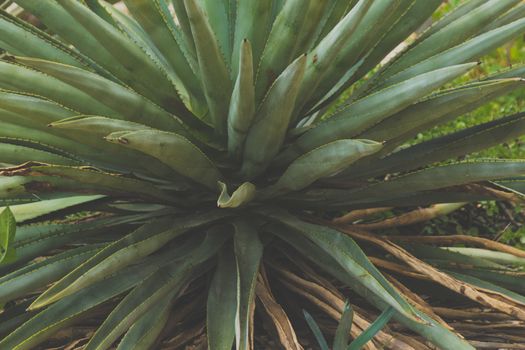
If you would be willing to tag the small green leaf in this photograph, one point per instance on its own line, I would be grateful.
(342, 333)
(316, 331)
(7, 235)
(371, 331)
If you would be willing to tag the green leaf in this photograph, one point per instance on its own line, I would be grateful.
(352, 260)
(371, 331)
(514, 14)
(144, 332)
(242, 103)
(248, 254)
(461, 10)
(430, 329)
(491, 255)
(314, 327)
(407, 23)
(37, 110)
(279, 49)
(342, 333)
(213, 70)
(173, 150)
(25, 212)
(42, 178)
(35, 240)
(447, 258)
(168, 281)
(311, 26)
(22, 79)
(252, 24)
(325, 53)
(464, 52)
(439, 108)
(242, 195)
(39, 274)
(454, 145)
(15, 154)
(510, 280)
(96, 124)
(59, 21)
(7, 235)
(321, 162)
(222, 303)
(72, 308)
(155, 19)
(99, 8)
(184, 22)
(451, 35)
(25, 122)
(268, 132)
(482, 284)
(27, 40)
(438, 177)
(218, 13)
(141, 72)
(123, 101)
(377, 21)
(353, 119)
(333, 15)
(121, 253)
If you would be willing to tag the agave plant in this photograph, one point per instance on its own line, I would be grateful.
(184, 172)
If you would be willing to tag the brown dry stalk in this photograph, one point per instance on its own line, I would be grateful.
(496, 193)
(282, 324)
(491, 326)
(325, 294)
(358, 214)
(300, 262)
(397, 268)
(494, 345)
(453, 239)
(413, 217)
(469, 314)
(479, 295)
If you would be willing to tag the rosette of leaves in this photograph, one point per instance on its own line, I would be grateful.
(173, 170)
